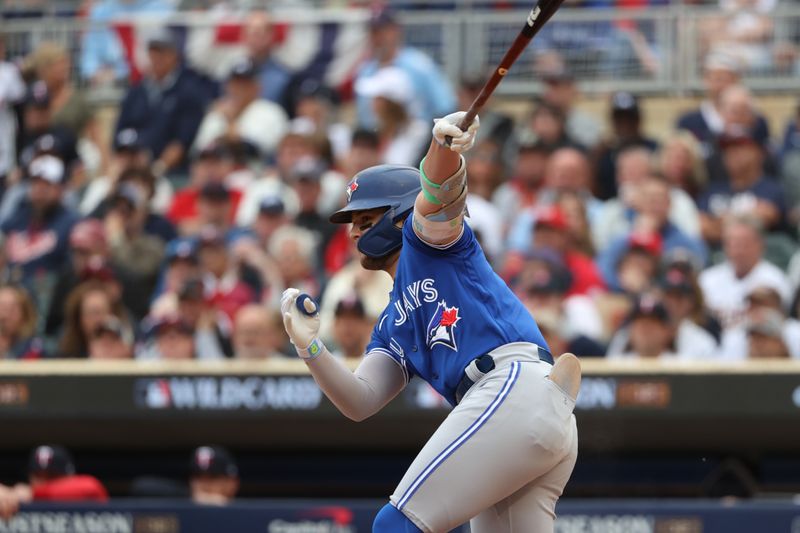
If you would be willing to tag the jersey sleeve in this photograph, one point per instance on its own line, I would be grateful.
(463, 245)
(379, 346)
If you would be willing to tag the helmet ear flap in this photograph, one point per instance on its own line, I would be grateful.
(381, 239)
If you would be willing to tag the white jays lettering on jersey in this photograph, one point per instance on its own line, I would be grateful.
(448, 307)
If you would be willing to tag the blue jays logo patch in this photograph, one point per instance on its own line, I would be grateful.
(351, 188)
(440, 328)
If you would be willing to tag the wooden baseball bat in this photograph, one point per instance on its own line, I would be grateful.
(539, 15)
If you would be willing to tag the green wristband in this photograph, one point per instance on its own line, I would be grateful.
(425, 182)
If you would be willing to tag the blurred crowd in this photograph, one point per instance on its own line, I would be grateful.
(173, 235)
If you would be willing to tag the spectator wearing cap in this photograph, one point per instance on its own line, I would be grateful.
(69, 105)
(181, 265)
(259, 39)
(351, 328)
(18, 325)
(364, 152)
(720, 71)
(651, 216)
(626, 132)
(214, 476)
(650, 332)
(726, 285)
(172, 339)
(486, 169)
(545, 286)
(127, 152)
(765, 337)
(165, 107)
(764, 306)
(391, 93)
(87, 244)
(37, 233)
(429, 86)
(211, 326)
(620, 215)
(636, 269)
(682, 299)
(240, 114)
(86, 307)
(315, 106)
(548, 124)
(102, 55)
(258, 333)
(110, 341)
(551, 231)
(561, 91)
(746, 192)
(12, 93)
(271, 216)
(209, 171)
(51, 477)
(527, 180)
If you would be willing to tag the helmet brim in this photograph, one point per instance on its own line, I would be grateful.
(345, 214)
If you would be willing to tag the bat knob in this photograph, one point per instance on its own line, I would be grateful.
(306, 305)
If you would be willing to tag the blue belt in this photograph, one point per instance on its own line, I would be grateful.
(480, 366)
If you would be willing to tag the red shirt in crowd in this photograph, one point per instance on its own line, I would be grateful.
(184, 205)
(71, 488)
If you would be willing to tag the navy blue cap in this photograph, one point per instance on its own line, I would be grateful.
(215, 191)
(181, 250)
(38, 95)
(213, 461)
(128, 139)
(271, 205)
(382, 17)
(624, 103)
(50, 461)
(244, 69)
(163, 38)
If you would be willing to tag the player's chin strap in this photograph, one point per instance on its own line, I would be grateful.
(445, 223)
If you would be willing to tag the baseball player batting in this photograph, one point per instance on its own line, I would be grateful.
(503, 455)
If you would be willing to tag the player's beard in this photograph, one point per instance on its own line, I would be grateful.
(379, 263)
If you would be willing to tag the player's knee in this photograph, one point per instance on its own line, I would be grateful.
(390, 520)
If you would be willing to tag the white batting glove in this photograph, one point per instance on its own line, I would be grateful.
(448, 126)
(302, 327)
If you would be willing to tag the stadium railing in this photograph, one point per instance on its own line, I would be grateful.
(653, 50)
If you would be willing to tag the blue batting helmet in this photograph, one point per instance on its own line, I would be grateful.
(394, 187)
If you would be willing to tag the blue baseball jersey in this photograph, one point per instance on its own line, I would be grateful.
(448, 307)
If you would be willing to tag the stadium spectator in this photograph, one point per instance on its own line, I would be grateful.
(626, 132)
(18, 319)
(211, 326)
(682, 299)
(110, 341)
(214, 476)
(726, 285)
(293, 248)
(720, 71)
(364, 152)
(315, 106)
(259, 38)
(180, 266)
(257, 333)
(69, 105)
(87, 244)
(545, 289)
(305, 178)
(651, 215)
(577, 222)
(650, 332)
(429, 86)
(128, 152)
(240, 115)
(37, 232)
(271, 216)
(351, 328)
(620, 215)
(681, 162)
(102, 59)
(562, 92)
(548, 124)
(173, 339)
(747, 191)
(40, 134)
(636, 268)
(403, 136)
(51, 477)
(485, 170)
(225, 287)
(527, 180)
(765, 337)
(87, 306)
(743, 29)
(12, 92)
(166, 106)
